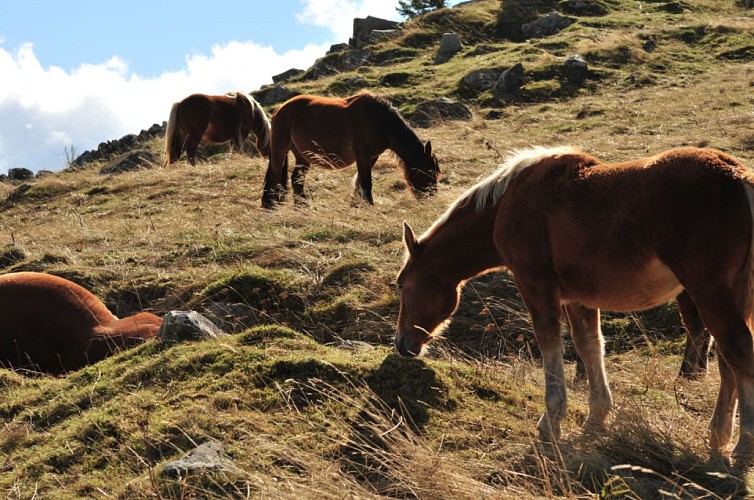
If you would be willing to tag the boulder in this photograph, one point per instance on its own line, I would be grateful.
(287, 75)
(450, 45)
(363, 27)
(338, 47)
(480, 80)
(443, 108)
(207, 457)
(546, 25)
(377, 36)
(183, 326)
(575, 69)
(20, 174)
(511, 79)
(127, 162)
(273, 94)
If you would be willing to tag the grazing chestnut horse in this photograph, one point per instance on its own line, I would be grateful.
(581, 235)
(215, 118)
(53, 325)
(334, 133)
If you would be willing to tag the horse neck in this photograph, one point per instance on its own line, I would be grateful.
(402, 140)
(462, 244)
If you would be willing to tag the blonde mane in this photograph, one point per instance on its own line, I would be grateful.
(489, 190)
(263, 137)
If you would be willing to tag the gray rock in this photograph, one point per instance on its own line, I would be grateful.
(273, 94)
(450, 45)
(207, 457)
(480, 80)
(20, 174)
(511, 79)
(575, 69)
(377, 36)
(363, 27)
(183, 326)
(133, 160)
(547, 25)
(443, 108)
(287, 75)
(338, 47)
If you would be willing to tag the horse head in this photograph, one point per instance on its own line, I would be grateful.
(427, 298)
(422, 179)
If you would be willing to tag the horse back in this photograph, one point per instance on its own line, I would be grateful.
(638, 228)
(44, 318)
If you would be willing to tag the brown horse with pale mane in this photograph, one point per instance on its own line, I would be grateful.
(578, 236)
(53, 325)
(334, 133)
(215, 118)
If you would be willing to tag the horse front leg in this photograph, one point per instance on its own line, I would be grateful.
(544, 307)
(584, 323)
(363, 182)
(698, 340)
(275, 180)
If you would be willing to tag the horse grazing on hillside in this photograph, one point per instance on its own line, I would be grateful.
(215, 118)
(334, 133)
(53, 325)
(579, 235)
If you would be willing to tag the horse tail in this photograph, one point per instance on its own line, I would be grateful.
(172, 146)
(744, 288)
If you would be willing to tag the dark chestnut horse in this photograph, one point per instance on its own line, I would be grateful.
(53, 325)
(579, 235)
(334, 133)
(215, 118)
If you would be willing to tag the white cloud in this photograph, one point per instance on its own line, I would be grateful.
(338, 15)
(44, 111)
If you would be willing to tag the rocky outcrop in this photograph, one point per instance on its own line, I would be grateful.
(273, 94)
(133, 160)
(363, 28)
(108, 150)
(287, 75)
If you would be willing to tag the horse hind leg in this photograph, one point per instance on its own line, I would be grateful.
(298, 176)
(584, 323)
(192, 144)
(721, 424)
(698, 340)
(735, 349)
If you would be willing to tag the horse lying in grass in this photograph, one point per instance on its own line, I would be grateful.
(215, 118)
(580, 235)
(53, 325)
(334, 133)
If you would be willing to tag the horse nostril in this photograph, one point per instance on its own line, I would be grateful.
(404, 347)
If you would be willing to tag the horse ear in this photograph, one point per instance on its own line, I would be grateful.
(428, 148)
(409, 239)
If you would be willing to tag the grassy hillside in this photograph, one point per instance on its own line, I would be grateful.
(307, 396)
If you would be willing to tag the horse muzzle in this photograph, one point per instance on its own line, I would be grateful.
(410, 344)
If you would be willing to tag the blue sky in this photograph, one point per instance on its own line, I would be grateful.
(79, 72)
